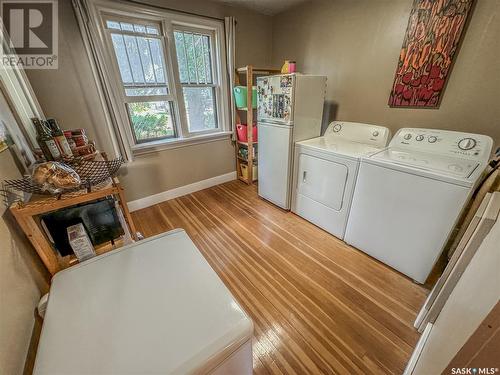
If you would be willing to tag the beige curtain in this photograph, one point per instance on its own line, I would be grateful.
(230, 30)
(88, 32)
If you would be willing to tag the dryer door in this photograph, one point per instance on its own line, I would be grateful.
(322, 180)
(323, 185)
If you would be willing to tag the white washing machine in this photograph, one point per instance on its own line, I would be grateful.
(154, 307)
(409, 196)
(325, 172)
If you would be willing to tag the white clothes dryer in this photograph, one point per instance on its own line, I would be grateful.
(325, 172)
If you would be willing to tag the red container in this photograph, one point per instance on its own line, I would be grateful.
(241, 131)
(80, 140)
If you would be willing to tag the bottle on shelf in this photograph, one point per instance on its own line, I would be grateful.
(60, 138)
(72, 144)
(44, 138)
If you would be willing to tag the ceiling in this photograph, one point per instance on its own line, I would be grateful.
(268, 7)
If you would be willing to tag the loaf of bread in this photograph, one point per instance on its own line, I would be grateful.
(41, 173)
(55, 177)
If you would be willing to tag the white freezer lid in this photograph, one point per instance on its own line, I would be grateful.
(352, 150)
(455, 170)
(155, 307)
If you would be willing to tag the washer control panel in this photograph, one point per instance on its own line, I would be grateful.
(375, 135)
(445, 142)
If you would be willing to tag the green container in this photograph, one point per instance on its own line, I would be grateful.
(240, 96)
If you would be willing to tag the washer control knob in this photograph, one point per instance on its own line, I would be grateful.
(419, 137)
(432, 139)
(375, 133)
(467, 143)
(407, 136)
(337, 128)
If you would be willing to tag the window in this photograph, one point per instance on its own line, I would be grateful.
(194, 59)
(168, 75)
(140, 57)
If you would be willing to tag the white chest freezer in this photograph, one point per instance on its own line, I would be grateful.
(154, 307)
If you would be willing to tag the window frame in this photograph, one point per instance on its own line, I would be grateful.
(216, 85)
(170, 97)
(167, 22)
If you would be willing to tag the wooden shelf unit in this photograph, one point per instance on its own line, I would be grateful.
(27, 215)
(250, 74)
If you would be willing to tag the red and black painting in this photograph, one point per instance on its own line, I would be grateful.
(430, 45)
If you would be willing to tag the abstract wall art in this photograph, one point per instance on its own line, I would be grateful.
(430, 45)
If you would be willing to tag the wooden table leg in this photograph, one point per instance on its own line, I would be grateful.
(39, 242)
(126, 212)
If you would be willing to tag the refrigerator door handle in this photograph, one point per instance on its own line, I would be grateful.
(304, 176)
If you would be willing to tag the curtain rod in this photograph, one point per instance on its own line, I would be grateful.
(173, 10)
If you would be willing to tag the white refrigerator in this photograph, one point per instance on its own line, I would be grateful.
(290, 109)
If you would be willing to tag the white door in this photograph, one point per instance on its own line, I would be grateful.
(402, 219)
(275, 160)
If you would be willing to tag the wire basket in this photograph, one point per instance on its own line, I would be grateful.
(91, 172)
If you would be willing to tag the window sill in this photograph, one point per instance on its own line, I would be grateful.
(168, 144)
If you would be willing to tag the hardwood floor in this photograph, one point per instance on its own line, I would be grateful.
(318, 305)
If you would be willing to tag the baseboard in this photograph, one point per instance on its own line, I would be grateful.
(180, 191)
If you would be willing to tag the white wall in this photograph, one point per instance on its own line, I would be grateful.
(22, 281)
(22, 276)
